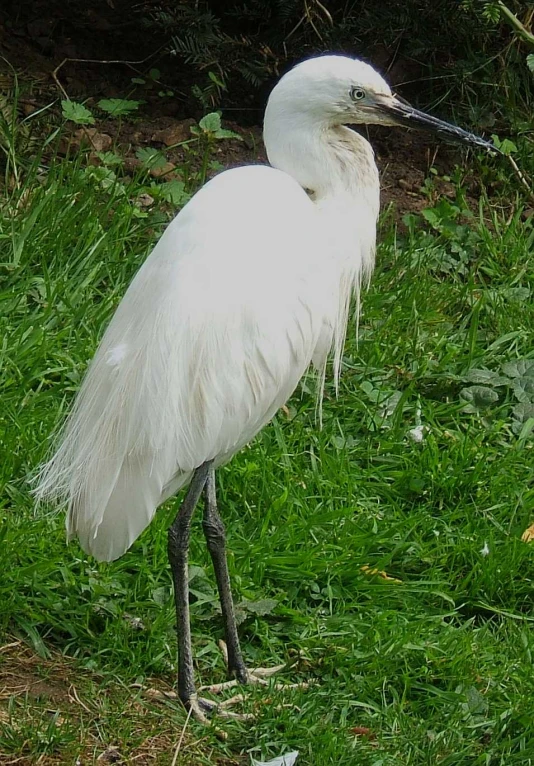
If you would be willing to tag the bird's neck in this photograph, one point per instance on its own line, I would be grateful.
(336, 167)
(333, 163)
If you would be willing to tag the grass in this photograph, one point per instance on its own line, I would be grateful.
(394, 567)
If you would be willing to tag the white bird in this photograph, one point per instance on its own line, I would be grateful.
(249, 285)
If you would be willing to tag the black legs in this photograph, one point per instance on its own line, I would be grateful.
(178, 548)
(216, 540)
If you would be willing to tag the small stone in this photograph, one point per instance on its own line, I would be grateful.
(100, 142)
(144, 200)
(163, 170)
(175, 133)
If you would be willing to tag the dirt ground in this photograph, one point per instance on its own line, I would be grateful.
(43, 697)
(87, 55)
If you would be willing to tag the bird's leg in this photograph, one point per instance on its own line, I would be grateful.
(178, 549)
(216, 539)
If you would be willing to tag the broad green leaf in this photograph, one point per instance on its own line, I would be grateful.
(213, 77)
(211, 122)
(162, 595)
(174, 192)
(478, 398)
(223, 133)
(150, 157)
(510, 294)
(506, 146)
(519, 368)
(110, 159)
(262, 607)
(530, 61)
(526, 429)
(523, 417)
(486, 377)
(195, 571)
(524, 389)
(475, 703)
(117, 107)
(77, 113)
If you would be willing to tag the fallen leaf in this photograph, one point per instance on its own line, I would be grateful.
(366, 569)
(528, 534)
(363, 731)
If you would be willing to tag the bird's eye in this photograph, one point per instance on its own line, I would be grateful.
(357, 94)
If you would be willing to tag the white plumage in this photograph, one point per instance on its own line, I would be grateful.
(249, 284)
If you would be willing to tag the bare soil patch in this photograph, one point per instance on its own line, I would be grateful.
(52, 712)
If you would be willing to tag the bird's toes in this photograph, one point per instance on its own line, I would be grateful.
(220, 709)
(259, 675)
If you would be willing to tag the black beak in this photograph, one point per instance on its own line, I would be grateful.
(401, 113)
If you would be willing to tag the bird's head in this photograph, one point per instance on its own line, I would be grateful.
(337, 90)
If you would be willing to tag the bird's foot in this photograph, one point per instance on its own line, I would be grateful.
(204, 710)
(249, 677)
(254, 676)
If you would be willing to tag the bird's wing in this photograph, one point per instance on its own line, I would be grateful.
(210, 339)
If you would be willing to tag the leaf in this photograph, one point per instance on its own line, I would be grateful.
(522, 412)
(519, 368)
(150, 157)
(505, 146)
(429, 214)
(261, 608)
(283, 760)
(388, 405)
(510, 294)
(372, 392)
(116, 107)
(528, 534)
(161, 595)
(223, 133)
(475, 703)
(210, 123)
(110, 159)
(486, 377)
(524, 389)
(530, 62)
(478, 398)
(174, 192)
(523, 422)
(213, 77)
(78, 113)
(102, 175)
(527, 429)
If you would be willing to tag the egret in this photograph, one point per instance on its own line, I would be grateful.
(249, 285)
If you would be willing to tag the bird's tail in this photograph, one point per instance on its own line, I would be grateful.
(103, 471)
